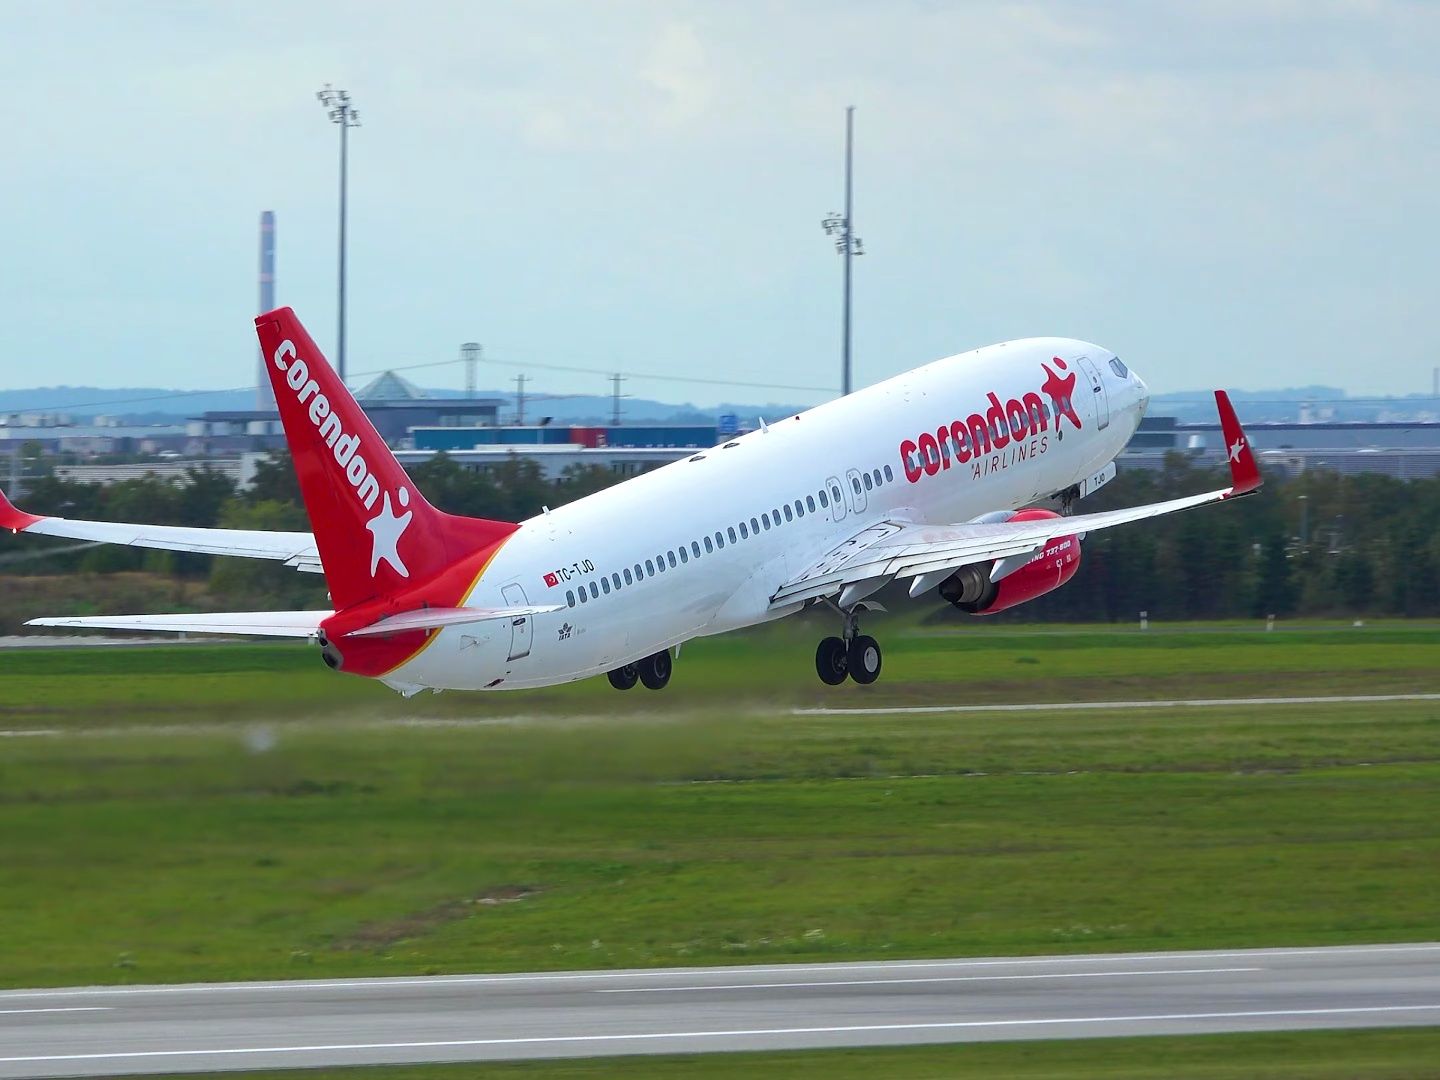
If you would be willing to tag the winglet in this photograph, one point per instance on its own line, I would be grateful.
(13, 518)
(1244, 473)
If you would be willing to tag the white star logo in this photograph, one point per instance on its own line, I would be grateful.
(1235, 448)
(386, 530)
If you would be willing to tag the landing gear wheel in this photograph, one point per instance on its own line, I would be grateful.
(655, 670)
(864, 659)
(831, 662)
(623, 678)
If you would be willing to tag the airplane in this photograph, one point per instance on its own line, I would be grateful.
(960, 476)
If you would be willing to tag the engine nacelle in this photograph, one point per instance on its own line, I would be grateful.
(970, 588)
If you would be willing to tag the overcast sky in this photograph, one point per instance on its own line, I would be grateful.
(1234, 192)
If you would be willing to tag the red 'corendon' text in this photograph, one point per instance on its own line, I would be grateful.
(996, 428)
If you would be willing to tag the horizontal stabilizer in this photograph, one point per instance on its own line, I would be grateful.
(294, 624)
(295, 549)
(435, 618)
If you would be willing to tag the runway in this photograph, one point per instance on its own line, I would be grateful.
(1109, 706)
(227, 1026)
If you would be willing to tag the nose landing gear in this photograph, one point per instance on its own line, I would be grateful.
(855, 655)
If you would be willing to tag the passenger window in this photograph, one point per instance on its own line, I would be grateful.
(868, 483)
(684, 555)
(670, 558)
(765, 520)
(788, 516)
(855, 480)
(694, 549)
(570, 597)
(709, 547)
(744, 532)
(799, 508)
(810, 503)
(876, 474)
(754, 525)
(628, 579)
(823, 500)
(731, 532)
(605, 585)
(583, 599)
(889, 476)
(616, 579)
(650, 567)
(594, 591)
(835, 493)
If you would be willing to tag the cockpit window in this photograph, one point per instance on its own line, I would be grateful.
(1118, 367)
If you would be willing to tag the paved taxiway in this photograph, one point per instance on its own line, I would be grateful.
(66, 1032)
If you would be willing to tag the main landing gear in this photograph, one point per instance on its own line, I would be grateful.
(653, 671)
(856, 655)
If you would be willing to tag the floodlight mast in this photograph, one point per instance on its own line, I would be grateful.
(342, 113)
(847, 244)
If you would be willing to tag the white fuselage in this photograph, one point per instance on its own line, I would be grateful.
(753, 510)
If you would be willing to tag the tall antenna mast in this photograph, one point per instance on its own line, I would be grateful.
(841, 226)
(338, 108)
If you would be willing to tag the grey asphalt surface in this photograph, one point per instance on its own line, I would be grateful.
(228, 1026)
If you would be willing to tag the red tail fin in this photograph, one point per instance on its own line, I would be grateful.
(1244, 473)
(375, 532)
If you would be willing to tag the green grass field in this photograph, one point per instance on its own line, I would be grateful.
(765, 670)
(217, 812)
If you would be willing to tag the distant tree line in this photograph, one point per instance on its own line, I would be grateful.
(1317, 545)
(1321, 544)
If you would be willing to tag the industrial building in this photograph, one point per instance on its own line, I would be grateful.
(625, 450)
(394, 404)
(1404, 450)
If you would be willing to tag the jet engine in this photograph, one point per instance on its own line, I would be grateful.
(970, 588)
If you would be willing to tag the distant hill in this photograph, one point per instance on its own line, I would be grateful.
(1288, 404)
(148, 404)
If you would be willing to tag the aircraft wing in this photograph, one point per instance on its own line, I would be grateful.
(895, 549)
(295, 549)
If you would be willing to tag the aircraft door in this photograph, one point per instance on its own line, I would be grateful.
(854, 491)
(514, 595)
(837, 498)
(1098, 393)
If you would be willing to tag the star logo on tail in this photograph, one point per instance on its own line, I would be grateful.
(386, 528)
(1236, 448)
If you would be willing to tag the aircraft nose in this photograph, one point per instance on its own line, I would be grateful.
(1142, 394)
